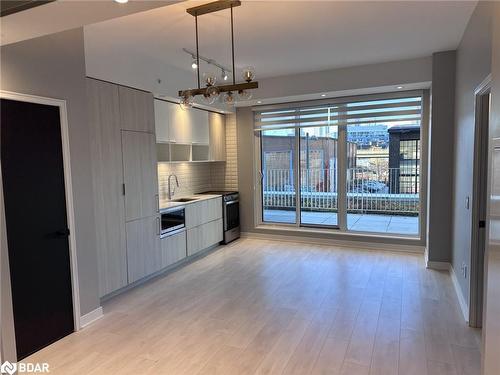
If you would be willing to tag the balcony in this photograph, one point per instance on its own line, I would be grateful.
(386, 201)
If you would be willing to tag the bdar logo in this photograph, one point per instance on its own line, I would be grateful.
(8, 368)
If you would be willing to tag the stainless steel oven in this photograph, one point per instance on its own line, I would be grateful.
(230, 214)
(173, 220)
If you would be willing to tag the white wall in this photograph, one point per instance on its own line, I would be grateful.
(472, 67)
(371, 78)
(491, 326)
(54, 66)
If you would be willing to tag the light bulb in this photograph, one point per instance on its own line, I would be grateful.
(211, 94)
(186, 102)
(121, 1)
(249, 73)
(224, 76)
(229, 100)
(209, 79)
(244, 95)
(194, 64)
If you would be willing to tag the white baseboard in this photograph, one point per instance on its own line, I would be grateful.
(440, 266)
(460, 296)
(355, 244)
(91, 317)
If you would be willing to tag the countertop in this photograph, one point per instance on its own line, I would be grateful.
(166, 204)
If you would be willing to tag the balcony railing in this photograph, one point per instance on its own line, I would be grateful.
(391, 191)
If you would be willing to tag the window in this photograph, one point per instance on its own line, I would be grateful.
(352, 165)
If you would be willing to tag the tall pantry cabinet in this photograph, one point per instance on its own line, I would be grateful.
(125, 183)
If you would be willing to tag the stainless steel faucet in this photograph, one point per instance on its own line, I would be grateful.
(171, 191)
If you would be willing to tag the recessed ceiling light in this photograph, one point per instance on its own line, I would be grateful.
(323, 95)
(121, 1)
(399, 87)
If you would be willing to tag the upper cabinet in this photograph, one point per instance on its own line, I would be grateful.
(162, 118)
(217, 136)
(192, 135)
(136, 110)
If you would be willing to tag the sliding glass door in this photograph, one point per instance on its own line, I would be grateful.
(352, 165)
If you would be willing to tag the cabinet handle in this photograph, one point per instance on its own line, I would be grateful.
(158, 226)
(157, 203)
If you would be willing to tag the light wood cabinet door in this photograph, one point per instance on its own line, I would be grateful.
(162, 119)
(204, 236)
(107, 178)
(136, 110)
(202, 212)
(217, 132)
(143, 247)
(140, 174)
(173, 249)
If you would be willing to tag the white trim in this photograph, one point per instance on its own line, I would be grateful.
(359, 245)
(460, 296)
(91, 317)
(68, 187)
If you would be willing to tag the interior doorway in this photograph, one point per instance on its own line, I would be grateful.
(479, 201)
(39, 214)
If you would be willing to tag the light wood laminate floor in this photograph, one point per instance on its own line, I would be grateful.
(265, 307)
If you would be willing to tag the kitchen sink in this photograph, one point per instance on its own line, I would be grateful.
(184, 199)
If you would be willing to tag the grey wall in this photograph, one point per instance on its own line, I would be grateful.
(440, 176)
(473, 66)
(345, 79)
(54, 66)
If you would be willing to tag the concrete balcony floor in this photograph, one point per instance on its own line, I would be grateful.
(376, 223)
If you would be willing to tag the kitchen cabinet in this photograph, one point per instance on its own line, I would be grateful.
(143, 247)
(202, 212)
(107, 178)
(199, 126)
(175, 125)
(163, 112)
(204, 236)
(136, 110)
(173, 249)
(139, 174)
(217, 136)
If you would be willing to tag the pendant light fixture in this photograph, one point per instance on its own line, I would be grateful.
(211, 91)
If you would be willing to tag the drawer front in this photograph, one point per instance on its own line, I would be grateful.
(173, 249)
(199, 213)
(204, 236)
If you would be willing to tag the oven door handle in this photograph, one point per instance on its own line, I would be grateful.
(231, 202)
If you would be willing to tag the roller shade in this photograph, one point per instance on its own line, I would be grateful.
(398, 110)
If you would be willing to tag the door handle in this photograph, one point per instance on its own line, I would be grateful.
(61, 233)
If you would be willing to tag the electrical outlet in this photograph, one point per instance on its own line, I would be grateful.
(464, 270)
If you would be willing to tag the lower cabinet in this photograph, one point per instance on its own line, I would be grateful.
(173, 249)
(204, 236)
(143, 247)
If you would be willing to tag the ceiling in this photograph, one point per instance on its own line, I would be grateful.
(31, 19)
(287, 37)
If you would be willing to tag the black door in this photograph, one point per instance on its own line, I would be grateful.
(37, 229)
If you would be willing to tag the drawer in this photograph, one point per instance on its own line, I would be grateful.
(201, 237)
(173, 249)
(199, 213)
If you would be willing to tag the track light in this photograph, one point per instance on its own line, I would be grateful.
(194, 64)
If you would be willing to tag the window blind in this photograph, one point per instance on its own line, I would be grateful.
(405, 110)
